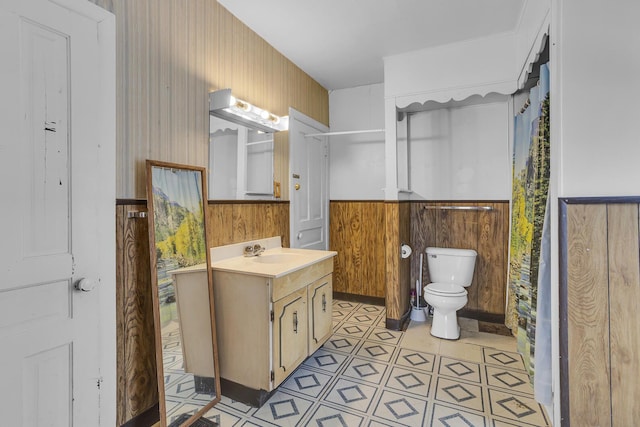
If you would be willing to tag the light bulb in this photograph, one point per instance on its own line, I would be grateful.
(244, 105)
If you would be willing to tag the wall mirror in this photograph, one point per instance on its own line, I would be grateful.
(240, 162)
(183, 308)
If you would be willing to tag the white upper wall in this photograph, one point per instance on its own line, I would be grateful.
(483, 67)
(356, 162)
(498, 63)
(455, 71)
(363, 166)
(461, 153)
(596, 96)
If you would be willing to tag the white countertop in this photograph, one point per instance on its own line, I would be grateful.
(191, 269)
(274, 262)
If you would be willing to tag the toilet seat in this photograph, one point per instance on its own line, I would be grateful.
(445, 289)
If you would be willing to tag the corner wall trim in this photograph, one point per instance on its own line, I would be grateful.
(563, 300)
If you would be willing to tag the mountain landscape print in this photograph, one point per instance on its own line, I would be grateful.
(178, 216)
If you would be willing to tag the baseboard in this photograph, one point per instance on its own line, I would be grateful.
(364, 299)
(398, 324)
(482, 316)
(244, 394)
(145, 419)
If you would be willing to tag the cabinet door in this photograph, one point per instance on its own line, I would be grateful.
(289, 334)
(320, 305)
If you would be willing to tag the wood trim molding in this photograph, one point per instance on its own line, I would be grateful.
(364, 299)
(598, 200)
(124, 202)
(247, 202)
(564, 324)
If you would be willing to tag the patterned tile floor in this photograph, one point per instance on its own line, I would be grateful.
(366, 375)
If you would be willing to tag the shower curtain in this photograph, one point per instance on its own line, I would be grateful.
(529, 200)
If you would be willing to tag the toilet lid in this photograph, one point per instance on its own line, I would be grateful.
(445, 289)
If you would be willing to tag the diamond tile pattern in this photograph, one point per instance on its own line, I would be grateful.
(363, 376)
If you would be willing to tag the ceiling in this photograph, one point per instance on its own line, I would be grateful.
(341, 43)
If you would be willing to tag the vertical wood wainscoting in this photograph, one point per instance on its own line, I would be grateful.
(227, 222)
(599, 299)
(398, 274)
(238, 221)
(367, 236)
(485, 231)
(357, 233)
(366, 233)
(137, 388)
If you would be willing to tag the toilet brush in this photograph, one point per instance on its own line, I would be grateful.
(417, 312)
(419, 291)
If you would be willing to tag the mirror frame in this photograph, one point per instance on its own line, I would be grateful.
(150, 165)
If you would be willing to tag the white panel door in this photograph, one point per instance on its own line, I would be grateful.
(308, 183)
(57, 186)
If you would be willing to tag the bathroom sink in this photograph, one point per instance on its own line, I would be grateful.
(274, 262)
(279, 258)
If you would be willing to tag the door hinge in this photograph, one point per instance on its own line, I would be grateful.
(273, 376)
(271, 316)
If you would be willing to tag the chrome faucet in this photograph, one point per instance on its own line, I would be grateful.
(253, 250)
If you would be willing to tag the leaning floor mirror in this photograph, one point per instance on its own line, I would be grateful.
(184, 318)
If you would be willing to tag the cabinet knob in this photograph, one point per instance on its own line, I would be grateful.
(324, 303)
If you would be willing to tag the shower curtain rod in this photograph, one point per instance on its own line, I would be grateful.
(347, 132)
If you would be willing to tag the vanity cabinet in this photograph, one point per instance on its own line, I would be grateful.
(268, 325)
(320, 298)
(194, 319)
(290, 332)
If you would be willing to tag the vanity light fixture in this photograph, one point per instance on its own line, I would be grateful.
(226, 106)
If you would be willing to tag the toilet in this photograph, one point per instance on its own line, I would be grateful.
(450, 271)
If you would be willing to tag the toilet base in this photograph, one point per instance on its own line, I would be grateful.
(445, 325)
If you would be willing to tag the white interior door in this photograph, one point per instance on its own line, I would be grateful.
(308, 183)
(57, 183)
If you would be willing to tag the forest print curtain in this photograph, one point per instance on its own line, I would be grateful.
(529, 198)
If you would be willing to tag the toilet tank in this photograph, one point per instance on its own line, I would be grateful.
(448, 265)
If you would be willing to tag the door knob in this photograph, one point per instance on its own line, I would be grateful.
(85, 285)
(297, 186)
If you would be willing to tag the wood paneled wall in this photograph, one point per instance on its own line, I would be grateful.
(364, 233)
(487, 232)
(398, 270)
(170, 55)
(600, 296)
(229, 223)
(357, 233)
(137, 387)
